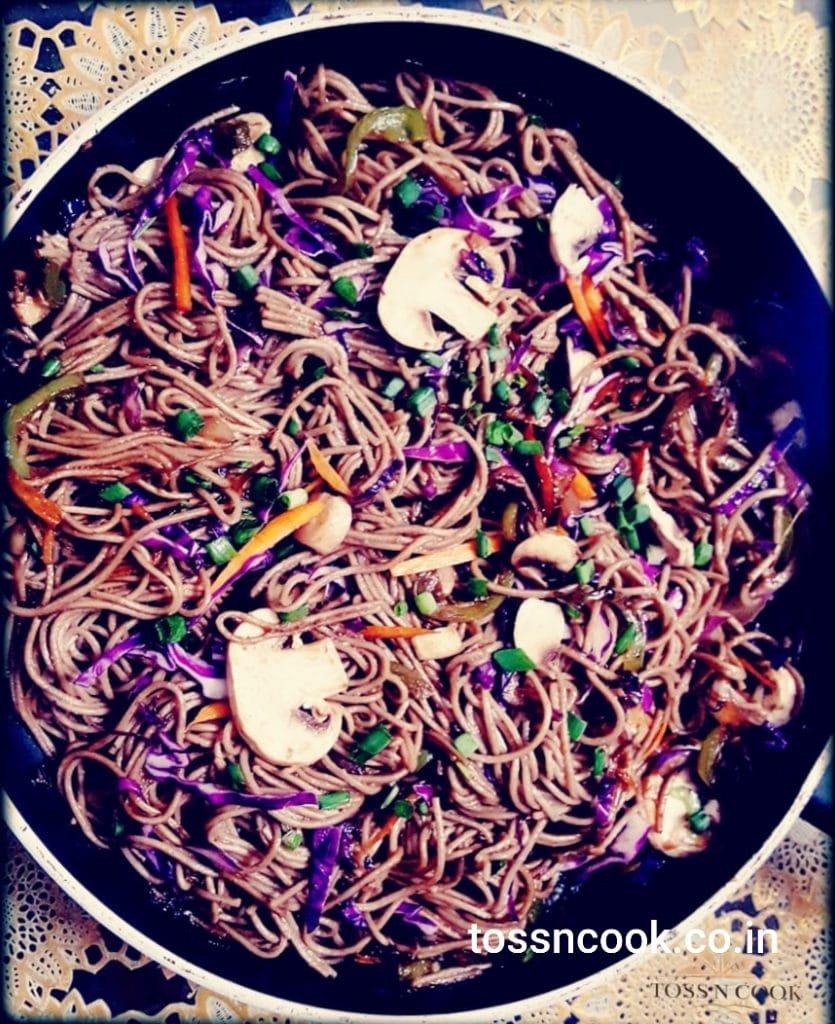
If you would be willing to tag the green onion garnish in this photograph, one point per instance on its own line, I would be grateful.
(638, 514)
(586, 526)
(423, 759)
(362, 250)
(702, 554)
(623, 487)
(630, 363)
(492, 454)
(630, 535)
(562, 401)
(539, 405)
(501, 389)
(482, 544)
(407, 191)
(245, 277)
(513, 659)
(432, 359)
(293, 427)
(236, 776)
(392, 793)
(529, 448)
(263, 489)
(269, 171)
(114, 492)
(98, 368)
(584, 571)
(425, 603)
(51, 367)
(497, 353)
(195, 480)
(477, 586)
(187, 423)
(293, 498)
(571, 612)
(292, 840)
(422, 807)
(220, 550)
(536, 120)
(576, 726)
(330, 801)
(403, 809)
(422, 400)
(626, 639)
(244, 531)
(494, 336)
(699, 821)
(599, 762)
(400, 609)
(295, 614)
(346, 290)
(268, 144)
(465, 744)
(393, 387)
(371, 744)
(170, 629)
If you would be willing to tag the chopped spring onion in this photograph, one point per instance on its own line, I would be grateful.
(362, 250)
(220, 550)
(562, 401)
(571, 612)
(400, 609)
(584, 571)
(51, 367)
(493, 455)
(425, 603)
(236, 776)
(187, 423)
(576, 726)
(423, 759)
(195, 480)
(293, 427)
(539, 405)
(295, 614)
(513, 659)
(626, 639)
(371, 744)
(496, 353)
(422, 807)
(407, 191)
(292, 840)
(393, 387)
(465, 744)
(422, 400)
(98, 368)
(623, 487)
(501, 390)
(702, 554)
(270, 172)
(264, 489)
(245, 277)
(699, 821)
(494, 335)
(330, 801)
(115, 492)
(529, 448)
(599, 762)
(482, 544)
(500, 433)
(536, 120)
(630, 535)
(638, 514)
(293, 498)
(392, 793)
(432, 359)
(170, 629)
(586, 525)
(268, 144)
(346, 290)
(630, 363)
(477, 586)
(403, 809)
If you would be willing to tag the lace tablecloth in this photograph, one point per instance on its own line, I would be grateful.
(756, 73)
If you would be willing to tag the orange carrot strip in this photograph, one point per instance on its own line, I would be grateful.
(326, 470)
(48, 547)
(38, 505)
(267, 537)
(582, 487)
(211, 712)
(584, 313)
(594, 301)
(379, 835)
(458, 554)
(393, 632)
(177, 236)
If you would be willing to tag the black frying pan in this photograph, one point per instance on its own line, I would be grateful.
(678, 182)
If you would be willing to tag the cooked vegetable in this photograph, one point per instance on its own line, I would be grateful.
(19, 412)
(394, 124)
(456, 555)
(328, 474)
(324, 850)
(179, 252)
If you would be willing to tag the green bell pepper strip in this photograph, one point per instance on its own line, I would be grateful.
(394, 124)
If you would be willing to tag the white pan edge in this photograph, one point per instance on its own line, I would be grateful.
(17, 207)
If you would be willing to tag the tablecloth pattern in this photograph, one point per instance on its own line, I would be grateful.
(756, 73)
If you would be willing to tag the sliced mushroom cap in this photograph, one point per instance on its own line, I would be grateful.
(326, 532)
(775, 707)
(440, 643)
(279, 694)
(547, 546)
(539, 629)
(575, 224)
(424, 281)
(671, 799)
(258, 125)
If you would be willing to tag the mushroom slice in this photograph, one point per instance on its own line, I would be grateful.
(424, 281)
(672, 799)
(279, 695)
(440, 643)
(257, 125)
(539, 628)
(575, 224)
(676, 546)
(774, 707)
(548, 546)
(326, 532)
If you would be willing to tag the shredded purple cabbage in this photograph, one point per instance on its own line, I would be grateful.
(385, 480)
(503, 194)
(519, 353)
(415, 914)
(131, 402)
(424, 791)
(696, 257)
(287, 468)
(201, 221)
(463, 216)
(111, 270)
(280, 200)
(104, 661)
(324, 850)
(604, 802)
(476, 264)
(353, 915)
(485, 675)
(647, 699)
